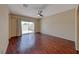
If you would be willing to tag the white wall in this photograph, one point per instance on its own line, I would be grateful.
(60, 25)
(3, 28)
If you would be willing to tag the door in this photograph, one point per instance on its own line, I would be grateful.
(27, 27)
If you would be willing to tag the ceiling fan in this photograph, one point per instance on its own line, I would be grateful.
(40, 13)
(39, 10)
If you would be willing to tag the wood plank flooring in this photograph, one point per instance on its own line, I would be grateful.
(40, 44)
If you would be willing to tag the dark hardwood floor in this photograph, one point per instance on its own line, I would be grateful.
(77, 52)
(40, 44)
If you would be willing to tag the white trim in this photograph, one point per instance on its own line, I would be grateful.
(76, 7)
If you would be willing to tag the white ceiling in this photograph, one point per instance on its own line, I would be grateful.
(32, 9)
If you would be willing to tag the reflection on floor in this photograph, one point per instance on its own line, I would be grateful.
(40, 44)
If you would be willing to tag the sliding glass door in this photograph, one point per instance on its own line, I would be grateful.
(27, 27)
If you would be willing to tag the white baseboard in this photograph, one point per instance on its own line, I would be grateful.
(3, 51)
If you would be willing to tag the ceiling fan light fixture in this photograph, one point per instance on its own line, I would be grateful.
(40, 13)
